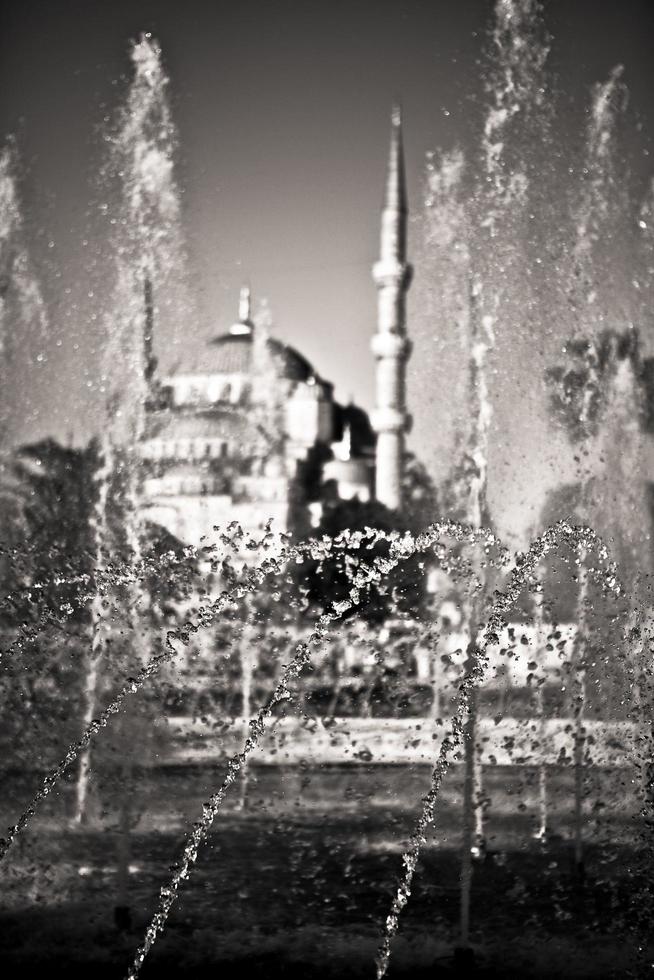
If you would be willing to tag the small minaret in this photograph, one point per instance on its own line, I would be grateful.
(149, 360)
(392, 276)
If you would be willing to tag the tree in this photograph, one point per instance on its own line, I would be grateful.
(54, 495)
(49, 574)
(328, 580)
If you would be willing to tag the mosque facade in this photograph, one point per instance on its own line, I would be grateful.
(249, 431)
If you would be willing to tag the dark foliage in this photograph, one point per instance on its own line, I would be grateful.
(53, 493)
(403, 593)
(580, 386)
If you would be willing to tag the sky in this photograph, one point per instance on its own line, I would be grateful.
(283, 115)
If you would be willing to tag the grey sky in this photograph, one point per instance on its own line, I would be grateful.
(282, 109)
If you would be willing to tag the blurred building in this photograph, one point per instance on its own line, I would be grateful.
(250, 431)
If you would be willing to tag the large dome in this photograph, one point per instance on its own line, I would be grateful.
(234, 352)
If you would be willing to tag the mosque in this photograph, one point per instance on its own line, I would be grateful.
(250, 431)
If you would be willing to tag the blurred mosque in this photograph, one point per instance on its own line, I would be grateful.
(250, 431)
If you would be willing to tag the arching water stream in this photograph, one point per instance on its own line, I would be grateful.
(134, 660)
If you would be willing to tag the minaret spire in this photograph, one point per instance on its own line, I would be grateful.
(395, 200)
(392, 276)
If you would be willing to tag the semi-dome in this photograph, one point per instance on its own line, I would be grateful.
(200, 425)
(353, 420)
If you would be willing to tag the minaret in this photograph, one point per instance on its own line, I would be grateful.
(150, 361)
(392, 276)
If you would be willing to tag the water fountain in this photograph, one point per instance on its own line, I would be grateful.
(479, 231)
(22, 310)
